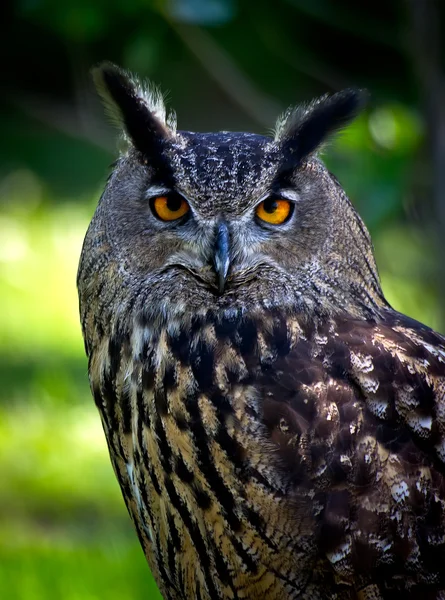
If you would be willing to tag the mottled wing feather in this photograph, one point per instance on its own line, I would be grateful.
(357, 411)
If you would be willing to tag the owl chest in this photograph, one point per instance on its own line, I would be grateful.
(190, 454)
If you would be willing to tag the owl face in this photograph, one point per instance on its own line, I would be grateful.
(219, 213)
(228, 218)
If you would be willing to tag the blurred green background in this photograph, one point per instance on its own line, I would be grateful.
(226, 64)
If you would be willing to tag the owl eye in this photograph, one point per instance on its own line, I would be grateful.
(169, 208)
(274, 210)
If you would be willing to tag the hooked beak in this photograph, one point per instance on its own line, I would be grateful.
(221, 257)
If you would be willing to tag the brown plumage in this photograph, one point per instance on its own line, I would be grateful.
(277, 430)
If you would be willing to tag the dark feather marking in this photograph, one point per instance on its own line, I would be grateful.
(223, 571)
(226, 327)
(143, 489)
(180, 346)
(154, 480)
(97, 395)
(148, 368)
(141, 445)
(109, 401)
(216, 483)
(137, 455)
(109, 382)
(114, 353)
(144, 413)
(181, 422)
(235, 453)
(331, 533)
(142, 484)
(174, 534)
(182, 471)
(148, 378)
(246, 559)
(171, 550)
(222, 404)
(257, 522)
(165, 453)
(170, 380)
(194, 533)
(141, 537)
(100, 330)
(197, 323)
(161, 400)
(279, 341)
(181, 582)
(161, 565)
(203, 499)
(247, 333)
(125, 404)
(198, 591)
(124, 484)
(202, 363)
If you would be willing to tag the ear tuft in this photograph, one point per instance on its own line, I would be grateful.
(303, 129)
(139, 110)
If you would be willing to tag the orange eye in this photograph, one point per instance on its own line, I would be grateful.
(274, 211)
(170, 208)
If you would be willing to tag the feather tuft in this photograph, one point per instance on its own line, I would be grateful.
(304, 129)
(137, 108)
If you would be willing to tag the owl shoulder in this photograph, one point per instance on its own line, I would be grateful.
(350, 379)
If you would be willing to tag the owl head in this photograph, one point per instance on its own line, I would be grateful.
(226, 220)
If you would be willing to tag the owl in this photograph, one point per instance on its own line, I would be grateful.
(276, 428)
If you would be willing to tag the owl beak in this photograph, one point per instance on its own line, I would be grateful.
(221, 258)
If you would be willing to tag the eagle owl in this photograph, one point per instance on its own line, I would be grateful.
(277, 429)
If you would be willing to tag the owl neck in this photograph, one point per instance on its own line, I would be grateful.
(314, 301)
(311, 296)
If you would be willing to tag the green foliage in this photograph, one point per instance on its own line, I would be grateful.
(89, 573)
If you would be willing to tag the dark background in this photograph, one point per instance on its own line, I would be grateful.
(225, 64)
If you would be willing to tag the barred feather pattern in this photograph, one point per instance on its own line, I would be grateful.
(261, 455)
